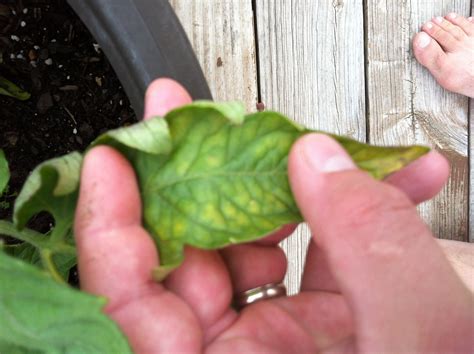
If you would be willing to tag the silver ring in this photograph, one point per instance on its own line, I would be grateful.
(264, 292)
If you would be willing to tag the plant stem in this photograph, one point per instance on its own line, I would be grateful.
(48, 264)
(59, 231)
(35, 238)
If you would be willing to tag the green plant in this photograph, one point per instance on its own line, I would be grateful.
(8, 88)
(209, 176)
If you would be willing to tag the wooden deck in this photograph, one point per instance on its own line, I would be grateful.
(344, 67)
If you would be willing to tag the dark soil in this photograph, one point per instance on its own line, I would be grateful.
(75, 94)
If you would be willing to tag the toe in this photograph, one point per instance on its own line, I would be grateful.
(447, 41)
(466, 25)
(429, 53)
(453, 29)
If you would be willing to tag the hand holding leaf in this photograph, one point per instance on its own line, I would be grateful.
(209, 176)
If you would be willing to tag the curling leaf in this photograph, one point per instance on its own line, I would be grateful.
(38, 315)
(209, 176)
(225, 179)
(4, 172)
(8, 88)
(149, 136)
(51, 187)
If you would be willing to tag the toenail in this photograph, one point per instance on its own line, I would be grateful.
(423, 40)
(429, 25)
(438, 19)
(452, 15)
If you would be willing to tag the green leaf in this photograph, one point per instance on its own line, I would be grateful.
(52, 187)
(225, 179)
(380, 161)
(25, 251)
(148, 136)
(4, 172)
(8, 88)
(39, 315)
(209, 176)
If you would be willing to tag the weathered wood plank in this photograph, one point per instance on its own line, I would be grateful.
(222, 35)
(407, 106)
(311, 56)
(471, 175)
(471, 156)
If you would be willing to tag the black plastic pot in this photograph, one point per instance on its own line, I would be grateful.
(143, 40)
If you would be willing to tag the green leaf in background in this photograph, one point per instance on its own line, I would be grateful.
(4, 172)
(39, 315)
(51, 187)
(8, 88)
(63, 261)
(209, 176)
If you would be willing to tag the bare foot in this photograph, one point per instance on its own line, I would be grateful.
(446, 48)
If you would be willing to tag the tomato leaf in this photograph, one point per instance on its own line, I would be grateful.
(225, 179)
(39, 315)
(51, 187)
(209, 176)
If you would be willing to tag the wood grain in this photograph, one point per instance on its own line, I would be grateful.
(222, 35)
(407, 106)
(471, 157)
(471, 175)
(311, 59)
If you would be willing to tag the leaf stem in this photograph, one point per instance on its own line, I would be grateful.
(59, 231)
(35, 238)
(48, 264)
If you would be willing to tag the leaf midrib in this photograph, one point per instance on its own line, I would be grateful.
(245, 174)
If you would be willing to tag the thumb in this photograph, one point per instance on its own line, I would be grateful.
(401, 289)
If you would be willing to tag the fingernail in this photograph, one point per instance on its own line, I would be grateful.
(438, 19)
(470, 19)
(429, 25)
(452, 15)
(423, 40)
(325, 155)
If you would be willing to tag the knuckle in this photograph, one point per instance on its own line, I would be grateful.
(437, 32)
(368, 207)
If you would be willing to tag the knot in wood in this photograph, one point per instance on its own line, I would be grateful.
(338, 4)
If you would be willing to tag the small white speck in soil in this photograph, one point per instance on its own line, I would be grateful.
(22, 23)
(15, 38)
(48, 61)
(74, 131)
(25, 11)
(96, 47)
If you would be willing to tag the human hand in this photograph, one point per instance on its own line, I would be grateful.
(369, 294)
(370, 246)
